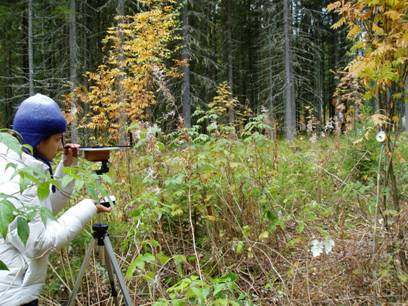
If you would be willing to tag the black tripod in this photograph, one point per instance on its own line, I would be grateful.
(101, 237)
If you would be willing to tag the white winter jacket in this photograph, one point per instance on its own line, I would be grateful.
(28, 263)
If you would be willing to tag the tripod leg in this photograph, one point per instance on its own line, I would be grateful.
(111, 278)
(111, 256)
(81, 273)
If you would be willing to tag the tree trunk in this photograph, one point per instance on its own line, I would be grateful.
(251, 36)
(271, 107)
(290, 106)
(228, 42)
(121, 98)
(406, 105)
(73, 68)
(334, 59)
(8, 110)
(319, 89)
(319, 58)
(186, 92)
(30, 48)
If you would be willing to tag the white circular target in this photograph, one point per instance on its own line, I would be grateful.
(381, 136)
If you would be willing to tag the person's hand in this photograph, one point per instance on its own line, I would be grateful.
(102, 209)
(70, 154)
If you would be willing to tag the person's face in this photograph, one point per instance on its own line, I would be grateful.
(49, 147)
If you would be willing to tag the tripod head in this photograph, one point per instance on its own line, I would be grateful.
(99, 154)
(99, 232)
(104, 168)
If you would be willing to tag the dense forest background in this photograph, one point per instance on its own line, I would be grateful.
(277, 57)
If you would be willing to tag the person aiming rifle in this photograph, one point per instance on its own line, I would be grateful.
(41, 125)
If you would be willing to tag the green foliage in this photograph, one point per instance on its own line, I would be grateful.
(23, 230)
(139, 263)
(3, 266)
(193, 291)
(361, 159)
(254, 207)
(216, 117)
(95, 186)
(256, 124)
(227, 179)
(7, 210)
(239, 192)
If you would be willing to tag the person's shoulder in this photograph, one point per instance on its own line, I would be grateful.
(19, 160)
(30, 161)
(8, 154)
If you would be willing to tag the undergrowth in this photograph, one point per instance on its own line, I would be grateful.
(225, 221)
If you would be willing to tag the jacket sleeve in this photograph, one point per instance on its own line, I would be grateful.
(44, 238)
(59, 198)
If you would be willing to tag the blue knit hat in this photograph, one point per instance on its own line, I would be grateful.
(37, 118)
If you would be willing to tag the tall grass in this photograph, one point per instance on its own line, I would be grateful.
(226, 221)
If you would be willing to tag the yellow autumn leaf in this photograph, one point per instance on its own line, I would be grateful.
(382, 49)
(367, 134)
(333, 6)
(355, 29)
(393, 15)
(339, 23)
(359, 45)
(377, 30)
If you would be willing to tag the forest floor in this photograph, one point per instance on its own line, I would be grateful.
(250, 222)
